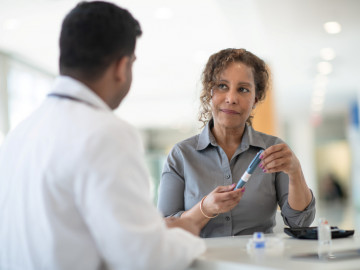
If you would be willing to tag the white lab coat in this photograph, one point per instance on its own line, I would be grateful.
(74, 193)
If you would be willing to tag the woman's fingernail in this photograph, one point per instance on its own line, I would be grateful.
(243, 190)
(261, 156)
(260, 165)
(264, 170)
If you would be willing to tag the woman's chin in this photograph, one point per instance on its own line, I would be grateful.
(231, 125)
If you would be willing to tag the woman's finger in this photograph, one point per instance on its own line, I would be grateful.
(221, 189)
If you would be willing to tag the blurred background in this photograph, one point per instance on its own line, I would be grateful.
(311, 46)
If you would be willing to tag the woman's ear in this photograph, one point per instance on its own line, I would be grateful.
(254, 105)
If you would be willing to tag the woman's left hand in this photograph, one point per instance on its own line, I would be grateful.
(278, 158)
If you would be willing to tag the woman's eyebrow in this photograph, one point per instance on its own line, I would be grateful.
(245, 84)
(239, 83)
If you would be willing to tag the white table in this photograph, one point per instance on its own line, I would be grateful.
(227, 253)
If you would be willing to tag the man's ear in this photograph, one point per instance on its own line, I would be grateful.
(121, 67)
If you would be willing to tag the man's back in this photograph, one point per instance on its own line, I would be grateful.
(74, 189)
(41, 170)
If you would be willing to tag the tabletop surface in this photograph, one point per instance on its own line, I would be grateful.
(227, 253)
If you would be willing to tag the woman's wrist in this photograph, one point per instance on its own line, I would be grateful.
(202, 209)
(297, 178)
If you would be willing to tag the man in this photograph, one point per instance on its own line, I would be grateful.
(74, 190)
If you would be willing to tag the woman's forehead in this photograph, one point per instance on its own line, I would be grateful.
(238, 67)
(225, 65)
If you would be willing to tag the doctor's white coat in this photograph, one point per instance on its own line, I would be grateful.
(74, 193)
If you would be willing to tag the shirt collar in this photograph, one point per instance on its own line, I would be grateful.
(250, 138)
(65, 85)
(206, 137)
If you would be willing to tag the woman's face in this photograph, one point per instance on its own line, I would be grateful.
(233, 96)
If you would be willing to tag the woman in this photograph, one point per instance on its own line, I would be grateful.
(201, 172)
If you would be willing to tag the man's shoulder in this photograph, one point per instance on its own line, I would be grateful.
(111, 126)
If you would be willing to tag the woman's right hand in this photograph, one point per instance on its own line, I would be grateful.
(222, 199)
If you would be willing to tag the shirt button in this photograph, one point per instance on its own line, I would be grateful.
(227, 218)
(227, 176)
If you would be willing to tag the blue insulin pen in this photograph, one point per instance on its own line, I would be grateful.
(247, 174)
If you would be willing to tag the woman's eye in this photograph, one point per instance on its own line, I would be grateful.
(243, 90)
(222, 86)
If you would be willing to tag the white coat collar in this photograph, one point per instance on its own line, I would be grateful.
(65, 85)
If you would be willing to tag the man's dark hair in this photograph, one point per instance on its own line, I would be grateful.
(93, 35)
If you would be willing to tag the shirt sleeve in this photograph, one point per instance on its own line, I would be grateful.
(293, 218)
(172, 186)
(113, 197)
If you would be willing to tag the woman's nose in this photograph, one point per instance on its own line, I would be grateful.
(231, 97)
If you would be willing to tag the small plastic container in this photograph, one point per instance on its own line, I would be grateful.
(260, 246)
(324, 239)
(258, 240)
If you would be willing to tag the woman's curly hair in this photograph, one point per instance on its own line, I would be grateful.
(217, 63)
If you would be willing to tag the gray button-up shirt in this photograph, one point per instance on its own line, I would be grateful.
(196, 166)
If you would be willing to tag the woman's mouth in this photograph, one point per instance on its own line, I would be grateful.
(229, 111)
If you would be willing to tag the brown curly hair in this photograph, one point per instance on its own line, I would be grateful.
(217, 63)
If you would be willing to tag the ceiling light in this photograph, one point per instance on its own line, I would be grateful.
(332, 27)
(324, 68)
(327, 54)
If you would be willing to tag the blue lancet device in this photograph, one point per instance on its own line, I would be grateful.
(247, 174)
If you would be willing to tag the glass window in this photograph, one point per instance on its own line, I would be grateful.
(27, 87)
